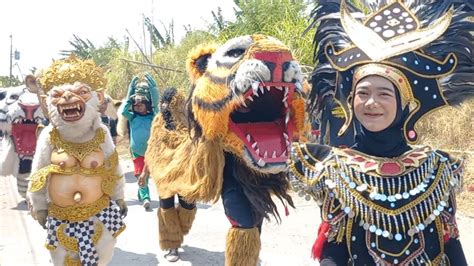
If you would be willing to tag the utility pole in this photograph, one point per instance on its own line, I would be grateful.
(11, 55)
(152, 21)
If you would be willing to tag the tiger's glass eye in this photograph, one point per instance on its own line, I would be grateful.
(235, 52)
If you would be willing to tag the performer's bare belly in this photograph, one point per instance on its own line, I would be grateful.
(68, 190)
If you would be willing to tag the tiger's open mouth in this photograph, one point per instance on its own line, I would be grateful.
(24, 136)
(72, 111)
(263, 122)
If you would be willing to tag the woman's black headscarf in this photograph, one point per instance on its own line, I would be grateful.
(389, 142)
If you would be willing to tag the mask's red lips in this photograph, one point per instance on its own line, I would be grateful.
(24, 138)
(72, 111)
(264, 122)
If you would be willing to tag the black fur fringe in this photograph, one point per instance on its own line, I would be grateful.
(259, 189)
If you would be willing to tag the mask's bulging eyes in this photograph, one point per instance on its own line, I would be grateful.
(14, 97)
(56, 94)
(235, 52)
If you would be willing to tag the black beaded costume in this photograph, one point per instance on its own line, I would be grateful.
(397, 208)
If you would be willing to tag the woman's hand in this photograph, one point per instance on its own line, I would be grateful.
(143, 176)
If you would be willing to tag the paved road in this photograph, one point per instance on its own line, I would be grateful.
(21, 239)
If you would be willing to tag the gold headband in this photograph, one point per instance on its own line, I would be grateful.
(394, 75)
(70, 70)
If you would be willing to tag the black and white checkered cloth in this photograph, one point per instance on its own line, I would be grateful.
(84, 230)
(111, 218)
(52, 225)
(87, 252)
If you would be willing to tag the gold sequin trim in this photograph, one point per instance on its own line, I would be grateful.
(402, 209)
(80, 212)
(69, 261)
(72, 69)
(78, 150)
(107, 171)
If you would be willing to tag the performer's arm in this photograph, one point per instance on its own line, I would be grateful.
(306, 169)
(131, 91)
(452, 246)
(154, 93)
(118, 191)
(42, 158)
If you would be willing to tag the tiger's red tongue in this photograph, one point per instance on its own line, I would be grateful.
(264, 140)
(24, 138)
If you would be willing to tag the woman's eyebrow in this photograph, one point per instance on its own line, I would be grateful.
(386, 89)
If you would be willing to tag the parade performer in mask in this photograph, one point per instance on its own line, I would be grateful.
(76, 185)
(245, 106)
(140, 109)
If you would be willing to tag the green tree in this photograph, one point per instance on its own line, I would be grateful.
(157, 39)
(6, 81)
(285, 20)
(85, 49)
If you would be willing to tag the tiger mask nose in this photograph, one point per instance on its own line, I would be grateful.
(276, 62)
(29, 110)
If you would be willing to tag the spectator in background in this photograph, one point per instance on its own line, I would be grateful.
(140, 108)
(110, 122)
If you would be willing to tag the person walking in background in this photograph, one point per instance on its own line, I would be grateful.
(140, 109)
(107, 120)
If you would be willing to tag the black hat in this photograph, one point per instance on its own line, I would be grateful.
(426, 50)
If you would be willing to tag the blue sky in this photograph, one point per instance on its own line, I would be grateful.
(41, 28)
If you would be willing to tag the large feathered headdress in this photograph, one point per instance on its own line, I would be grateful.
(425, 48)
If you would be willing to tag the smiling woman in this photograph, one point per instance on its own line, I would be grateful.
(375, 103)
(382, 201)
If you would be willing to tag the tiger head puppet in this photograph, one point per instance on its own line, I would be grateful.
(249, 94)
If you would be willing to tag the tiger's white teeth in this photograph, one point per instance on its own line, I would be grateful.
(285, 98)
(274, 154)
(249, 138)
(265, 155)
(257, 151)
(254, 145)
(280, 88)
(250, 98)
(244, 104)
(261, 163)
(255, 86)
(285, 135)
(286, 90)
(261, 90)
(286, 104)
(283, 154)
(268, 88)
(287, 117)
(299, 86)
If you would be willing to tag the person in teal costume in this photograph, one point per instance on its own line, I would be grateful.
(140, 109)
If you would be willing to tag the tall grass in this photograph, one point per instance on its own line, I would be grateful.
(173, 58)
(452, 129)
